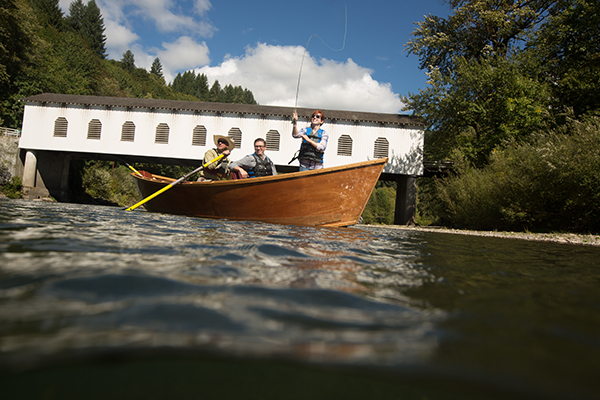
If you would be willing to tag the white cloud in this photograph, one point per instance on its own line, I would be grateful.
(182, 55)
(119, 40)
(271, 73)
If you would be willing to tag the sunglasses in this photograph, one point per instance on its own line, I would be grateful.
(222, 142)
(316, 116)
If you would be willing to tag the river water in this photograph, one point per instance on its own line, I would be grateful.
(98, 302)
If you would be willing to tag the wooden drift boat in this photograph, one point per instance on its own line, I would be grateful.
(333, 196)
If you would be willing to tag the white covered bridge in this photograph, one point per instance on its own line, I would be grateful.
(58, 128)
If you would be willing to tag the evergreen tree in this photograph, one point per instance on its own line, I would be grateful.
(202, 87)
(76, 15)
(49, 12)
(88, 22)
(215, 92)
(128, 62)
(156, 68)
(249, 97)
(93, 29)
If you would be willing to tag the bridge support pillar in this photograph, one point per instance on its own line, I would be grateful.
(406, 200)
(30, 169)
(46, 174)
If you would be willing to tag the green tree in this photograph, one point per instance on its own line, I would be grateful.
(76, 15)
(128, 61)
(49, 12)
(87, 20)
(568, 45)
(19, 55)
(93, 29)
(71, 67)
(478, 95)
(476, 29)
(156, 68)
(483, 104)
(215, 93)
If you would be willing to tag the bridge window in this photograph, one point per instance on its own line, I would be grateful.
(94, 129)
(382, 148)
(60, 127)
(236, 135)
(273, 138)
(128, 132)
(162, 133)
(344, 146)
(199, 136)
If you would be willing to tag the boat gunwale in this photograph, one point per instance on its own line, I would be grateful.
(278, 177)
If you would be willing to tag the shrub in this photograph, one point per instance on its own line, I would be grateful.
(381, 205)
(550, 183)
(12, 189)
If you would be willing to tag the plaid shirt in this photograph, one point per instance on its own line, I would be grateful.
(311, 164)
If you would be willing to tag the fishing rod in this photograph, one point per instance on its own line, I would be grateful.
(306, 47)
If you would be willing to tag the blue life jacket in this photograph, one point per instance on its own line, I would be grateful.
(307, 151)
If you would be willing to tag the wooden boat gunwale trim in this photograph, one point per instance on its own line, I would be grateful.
(290, 175)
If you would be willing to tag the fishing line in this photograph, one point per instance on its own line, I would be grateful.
(306, 47)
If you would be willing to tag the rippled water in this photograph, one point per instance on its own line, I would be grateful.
(98, 302)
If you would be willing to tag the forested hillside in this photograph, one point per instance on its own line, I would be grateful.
(42, 50)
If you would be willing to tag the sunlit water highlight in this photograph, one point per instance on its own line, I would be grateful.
(127, 297)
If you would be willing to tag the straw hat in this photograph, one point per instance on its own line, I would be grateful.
(230, 142)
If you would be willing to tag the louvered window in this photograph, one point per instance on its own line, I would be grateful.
(236, 135)
(162, 134)
(128, 132)
(344, 146)
(273, 138)
(94, 129)
(60, 127)
(382, 148)
(199, 136)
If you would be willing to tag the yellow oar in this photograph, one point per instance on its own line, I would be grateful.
(134, 170)
(133, 207)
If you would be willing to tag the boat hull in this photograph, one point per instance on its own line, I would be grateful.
(333, 196)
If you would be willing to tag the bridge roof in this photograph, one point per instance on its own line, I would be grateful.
(200, 106)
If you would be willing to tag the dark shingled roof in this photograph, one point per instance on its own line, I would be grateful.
(330, 115)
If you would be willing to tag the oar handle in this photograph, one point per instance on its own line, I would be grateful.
(134, 170)
(169, 186)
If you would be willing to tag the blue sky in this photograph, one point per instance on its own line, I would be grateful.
(260, 46)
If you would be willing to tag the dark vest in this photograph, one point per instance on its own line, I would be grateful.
(262, 167)
(307, 151)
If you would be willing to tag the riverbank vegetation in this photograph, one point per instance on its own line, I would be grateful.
(513, 100)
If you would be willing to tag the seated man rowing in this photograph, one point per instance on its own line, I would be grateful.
(219, 170)
(257, 164)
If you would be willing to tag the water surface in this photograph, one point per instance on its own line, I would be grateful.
(97, 302)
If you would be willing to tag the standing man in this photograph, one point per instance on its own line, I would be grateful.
(314, 141)
(218, 170)
(257, 164)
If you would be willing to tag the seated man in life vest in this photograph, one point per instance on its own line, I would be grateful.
(219, 170)
(253, 165)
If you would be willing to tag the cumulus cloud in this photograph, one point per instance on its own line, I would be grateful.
(271, 73)
(181, 55)
(120, 39)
